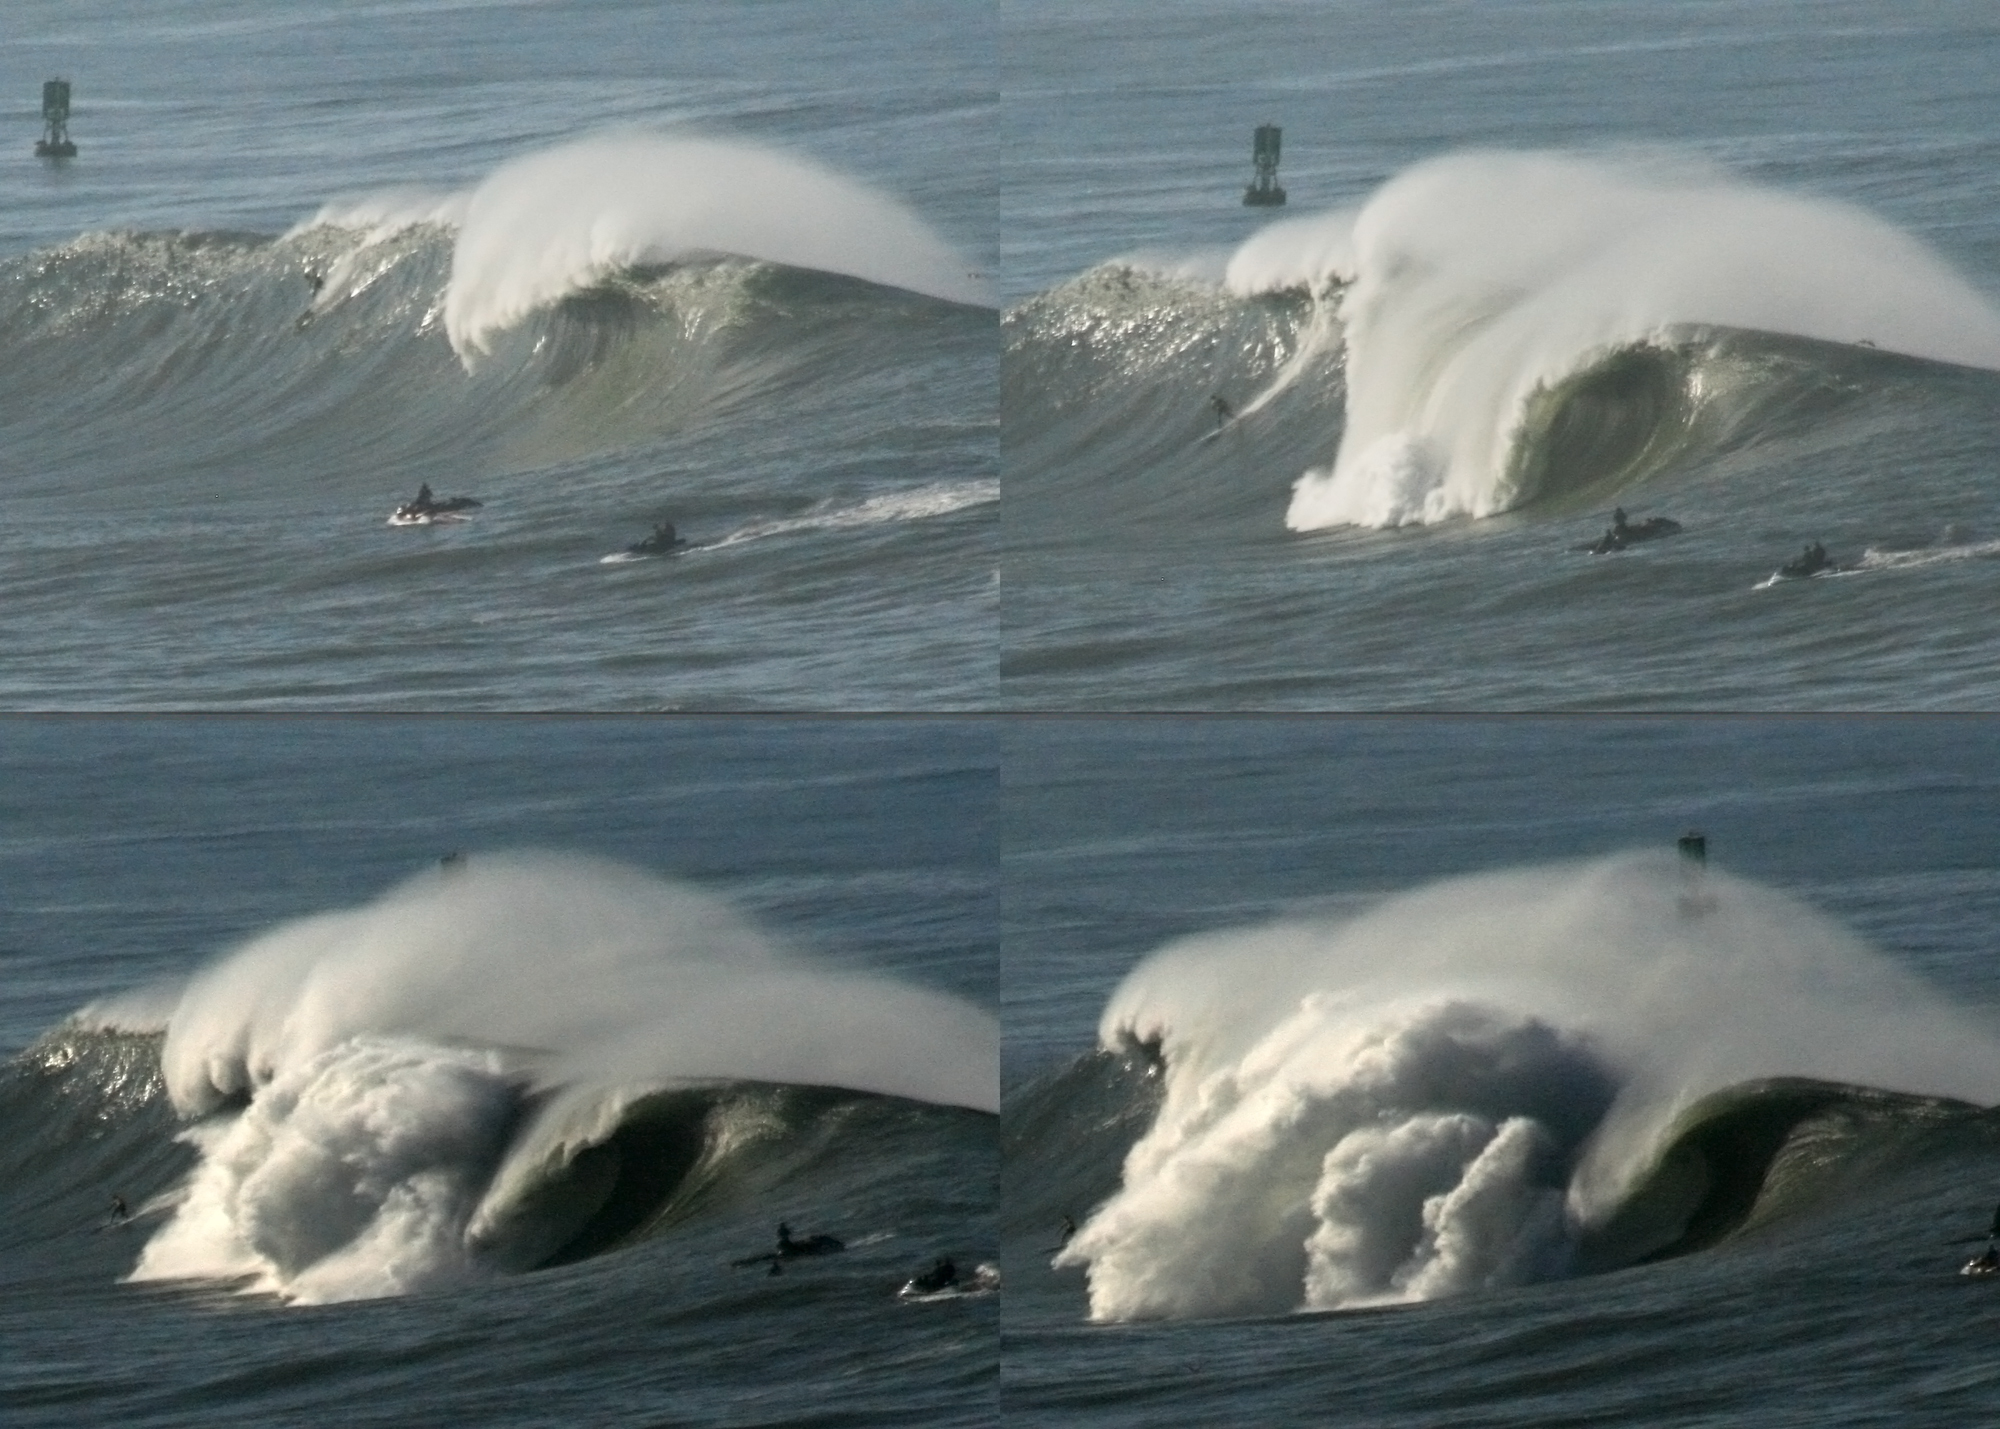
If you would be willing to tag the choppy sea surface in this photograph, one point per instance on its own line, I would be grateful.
(447, 1068)
(1735, 267)
(1404, 1072)
(594, 266)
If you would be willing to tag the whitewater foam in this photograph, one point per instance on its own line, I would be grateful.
(1479, 280)
(416, 1076)
(1446, 1092)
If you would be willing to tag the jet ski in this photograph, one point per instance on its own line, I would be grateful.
(1811, 562)
(1981, 1265)
(1618, 537)
(663, 542)
(427, 510)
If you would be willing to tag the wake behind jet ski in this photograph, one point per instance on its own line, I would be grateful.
(424, 509)
(1622, 533)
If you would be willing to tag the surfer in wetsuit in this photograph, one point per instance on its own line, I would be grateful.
(1068, 1230)
(1619, 525)
(1224, 413)
(424, 500)
(119, 1212)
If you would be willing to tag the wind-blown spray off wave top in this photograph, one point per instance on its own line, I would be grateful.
(1494, 1080)
(517, 1063)
(1478, 284)
(560, 221)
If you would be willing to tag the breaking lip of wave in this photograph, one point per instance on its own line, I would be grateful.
(562, 220)
(445, 1083)
(1464, 1087)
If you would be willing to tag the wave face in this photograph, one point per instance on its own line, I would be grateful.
(1502, 1079)
(518, 1063)
(1487, 284)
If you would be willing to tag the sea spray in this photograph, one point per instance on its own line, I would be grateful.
(560, 220)
(401, 1096)
(1449, 1091)
(1481, 279)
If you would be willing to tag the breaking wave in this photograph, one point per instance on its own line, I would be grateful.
(1490, 1081)
(523, 1062)
(1483, 284)
(582, 299)
(1489, 330)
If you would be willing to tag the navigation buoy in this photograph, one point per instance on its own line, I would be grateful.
(1264, 191)
(55, 142)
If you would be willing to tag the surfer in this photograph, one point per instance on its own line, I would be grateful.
(1224, 413)
(1622, 532)
(1068, 1230)
(811, 1245)
(120, 1213)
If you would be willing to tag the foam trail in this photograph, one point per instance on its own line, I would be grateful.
(414, 1069)
(1443, 1093)
(558, 221)
(1480, 278)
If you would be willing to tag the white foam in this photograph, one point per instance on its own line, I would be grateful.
(1440, 1094)
(1480, 277)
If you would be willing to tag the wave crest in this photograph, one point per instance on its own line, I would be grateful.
(562, 220)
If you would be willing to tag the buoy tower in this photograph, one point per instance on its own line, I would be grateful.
(55, 142)
(1264, 191)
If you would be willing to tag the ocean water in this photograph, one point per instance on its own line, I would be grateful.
(596, 266)
(1732, 265)
(1401, 1072)
(414, 1142)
